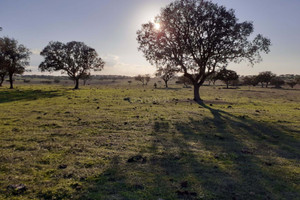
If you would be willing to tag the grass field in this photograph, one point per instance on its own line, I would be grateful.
(134, 142)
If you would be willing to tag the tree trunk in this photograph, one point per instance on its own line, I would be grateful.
(267, 84)
(262, 84)
(76, 84)
(166, 84)
(197, 93)
(227, 84)
(1, 80)
(11, 81)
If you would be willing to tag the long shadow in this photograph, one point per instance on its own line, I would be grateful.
(27, 95)
(219, 157)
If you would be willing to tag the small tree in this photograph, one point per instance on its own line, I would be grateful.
(14, 58)
(74, 58)
(227, 76)
(185, 81)
(265, 77)
(140, 78)
(166, 74)
(198, 37)
(277, 82)
(292, 83)
(212, 78)
(144, 79)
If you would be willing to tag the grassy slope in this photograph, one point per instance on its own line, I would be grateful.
(62, 144)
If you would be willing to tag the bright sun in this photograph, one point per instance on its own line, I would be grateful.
(157, 26)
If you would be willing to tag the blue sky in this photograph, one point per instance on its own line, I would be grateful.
(110, 27)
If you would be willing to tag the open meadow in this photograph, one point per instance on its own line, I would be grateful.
(124, 141)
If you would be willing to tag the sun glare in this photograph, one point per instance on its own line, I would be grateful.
(157, 26)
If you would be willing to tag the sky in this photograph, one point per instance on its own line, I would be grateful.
(110, 26)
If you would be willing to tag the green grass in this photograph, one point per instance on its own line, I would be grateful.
(66, 144)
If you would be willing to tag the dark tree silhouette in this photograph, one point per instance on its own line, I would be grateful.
(265, 77)
(250, 80)
(277, 82)
(166, 74)
(227, 76)
(292, 83)
(297, 79)
(14, 58)
(74, 58)
(197, 37)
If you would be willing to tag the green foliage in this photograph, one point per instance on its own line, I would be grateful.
(73, 58)
(14, 58)
(227, 76)
(198, 37)
(265, 77)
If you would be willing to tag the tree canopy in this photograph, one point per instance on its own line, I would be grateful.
(197, 37)
(265, 77)
(227, 76)
(74, 58)
(166, 74)
(14, 58)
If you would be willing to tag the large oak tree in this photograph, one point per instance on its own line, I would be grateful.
(74, 58)
(14, 58)
(197, 37)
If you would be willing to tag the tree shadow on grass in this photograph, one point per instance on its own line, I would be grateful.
(223, 157)
(27, 95)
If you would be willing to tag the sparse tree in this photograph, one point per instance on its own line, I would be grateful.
(292, 83)
(14, 58)
(197, 37)
(265, 77)
(277, 82)
(185, 81)
(166, 74)
(129, 82)
(212, 78)
(227, 76)
(140, 78)
(74, 58)
(144, 79)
